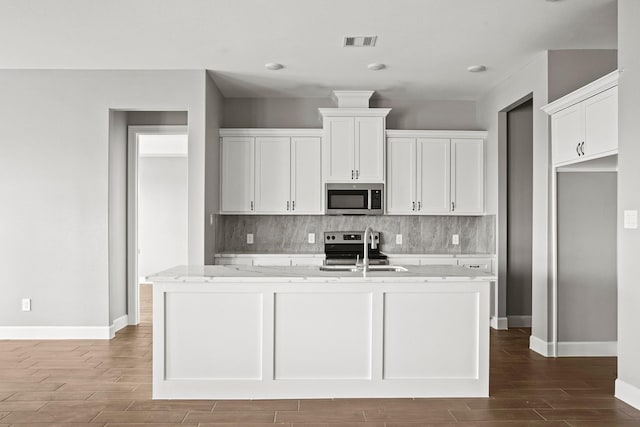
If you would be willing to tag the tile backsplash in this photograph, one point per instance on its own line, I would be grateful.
(420, 234)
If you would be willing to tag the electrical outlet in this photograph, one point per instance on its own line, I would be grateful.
(311, 238)
(455, 239)
(250, 239)
(26, 304)
(398, 239)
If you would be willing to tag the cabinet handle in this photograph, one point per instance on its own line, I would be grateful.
(352, 174)
(357, 174)
(413, 206)
(578, 149)
(419, 205)
(582, 147)
(453, 206)
(287, 205)
(293, 205)
(252, 205)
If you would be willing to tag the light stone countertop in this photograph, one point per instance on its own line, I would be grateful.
(242, 273)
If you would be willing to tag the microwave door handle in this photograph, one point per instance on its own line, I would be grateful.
(369, 192)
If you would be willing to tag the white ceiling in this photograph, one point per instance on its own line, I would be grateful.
(426, 44)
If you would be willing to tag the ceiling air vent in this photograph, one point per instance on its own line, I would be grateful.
(360, 41)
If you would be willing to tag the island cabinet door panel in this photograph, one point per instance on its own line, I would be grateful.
(339, 149)
(273, 179)
(418, 331)
(567, 127)
(434, 175)
(401, 175)
(237, 175)
(369, 140)
(202, 331)
(323, 336)
(467, 176)
(306, 175)
(601, 122)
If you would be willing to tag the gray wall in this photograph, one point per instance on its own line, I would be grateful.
(117, 214)
(214, 111)
(162, 213)
(155, 118)
(628, 199)
(421, 234)
(303, 113)
(530, 81)
(519, 208)
(54, 173)
(572, 69)
(587, 297)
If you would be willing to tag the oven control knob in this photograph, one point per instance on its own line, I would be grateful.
(328, 237)
(333, 237)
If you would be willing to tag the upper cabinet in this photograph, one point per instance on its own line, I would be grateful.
(353, 144)
(584, 123)
(270, 171)
(435, 172)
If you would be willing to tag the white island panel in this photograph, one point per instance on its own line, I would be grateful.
(323, 335)
(213, 335)
(414, 348)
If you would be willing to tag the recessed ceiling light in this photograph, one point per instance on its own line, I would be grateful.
(376, 66)
(476, 68)
(273, 66)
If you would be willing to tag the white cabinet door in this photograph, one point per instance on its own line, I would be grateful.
(237, 175)
(567, 127)
(401, 175)
(339, 149)
(601, 122)
(272, 174)
(369, 140)
(306, 176)
(434, 175)
(467, 176)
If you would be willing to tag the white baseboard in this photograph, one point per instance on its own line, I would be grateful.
(54, 333)
(628, 393)
(63, 332)
(588, 349)
(519, 321)
(499, 323)
(541, 347)
(118, 324)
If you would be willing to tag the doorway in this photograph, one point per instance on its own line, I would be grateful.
(158, 209)
(519, 214)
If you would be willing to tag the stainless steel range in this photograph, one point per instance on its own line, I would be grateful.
(347, 248)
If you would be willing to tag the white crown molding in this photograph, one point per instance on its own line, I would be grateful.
(603, 83)
(354, 112)
(269, 132)
(628, 393)
(352, 98)
(396, 133)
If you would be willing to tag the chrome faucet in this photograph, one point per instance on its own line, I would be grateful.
(368, 232)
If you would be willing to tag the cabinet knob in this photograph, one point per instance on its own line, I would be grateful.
(293, 205)
(453, 206)
(413, 206)
(419, 205)
(287, 205)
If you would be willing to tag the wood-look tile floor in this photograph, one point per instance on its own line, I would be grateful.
(108, 383)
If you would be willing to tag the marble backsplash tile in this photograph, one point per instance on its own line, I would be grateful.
(420, 234)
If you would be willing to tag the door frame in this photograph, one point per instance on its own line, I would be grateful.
(133, 155)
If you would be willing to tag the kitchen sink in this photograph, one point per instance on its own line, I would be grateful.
(354, 268)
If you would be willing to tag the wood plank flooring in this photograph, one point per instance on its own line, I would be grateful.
(108, 383)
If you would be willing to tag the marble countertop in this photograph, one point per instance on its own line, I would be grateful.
(242, 273)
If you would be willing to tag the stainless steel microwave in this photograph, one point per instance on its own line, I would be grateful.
(354, 199)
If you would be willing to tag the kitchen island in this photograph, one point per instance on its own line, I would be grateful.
(243, 332)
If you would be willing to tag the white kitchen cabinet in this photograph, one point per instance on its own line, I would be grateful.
(237, 175)
(353, 144)
(271, 171)
(428, 173)
(467, 176)
(584, 123)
